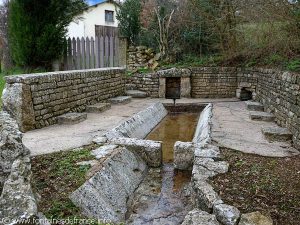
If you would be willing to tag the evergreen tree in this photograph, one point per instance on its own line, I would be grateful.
(37, 29)
(129, 18)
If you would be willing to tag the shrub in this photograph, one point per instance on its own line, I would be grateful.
(37, 29)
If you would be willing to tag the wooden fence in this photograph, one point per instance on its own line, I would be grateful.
(90, 53)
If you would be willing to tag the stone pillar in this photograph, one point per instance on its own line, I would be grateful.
(17, 101)
(185, 90)
(162, 87)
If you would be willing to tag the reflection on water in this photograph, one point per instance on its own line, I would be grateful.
(160, 198)
(175, 127)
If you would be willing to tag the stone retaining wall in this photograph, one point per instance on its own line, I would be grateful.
(147, 82)
(36, 100)
(206, 82)
(213, 82)
(279, 92)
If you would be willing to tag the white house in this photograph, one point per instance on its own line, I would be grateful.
(102, 14)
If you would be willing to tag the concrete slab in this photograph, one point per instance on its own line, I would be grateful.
(121, 100)
(254, 106)
(98, 108)
(276, 133)
(136, 94)
(71, 118)
(232, 128)
(262, 116)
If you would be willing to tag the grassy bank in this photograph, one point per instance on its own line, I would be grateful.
(55, 177)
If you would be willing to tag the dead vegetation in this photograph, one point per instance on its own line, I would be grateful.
(269, 185)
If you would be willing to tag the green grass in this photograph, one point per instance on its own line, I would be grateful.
(55, 177)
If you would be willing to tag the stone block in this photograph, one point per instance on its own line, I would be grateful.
(71, 118)
(205, 197)
(98, 108)
(17, 100)
(100, 140)
(17, 200)
(262, 116)
(121, 100)
(203, 130)
(104, 151)
(254, 106)
(226, 214)
(183, 155)
(210, 164)
(277, 133)
(140, 124)
(150, 151)
(136, 94)
(208, 151)
(198, 217)
(104, 196)
(255, 218)
(11, 147)
(200, 173)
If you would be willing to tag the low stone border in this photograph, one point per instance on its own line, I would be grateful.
(140, 124)
(205, 159)
(184, 151)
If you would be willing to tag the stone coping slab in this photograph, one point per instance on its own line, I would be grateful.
(36, 77)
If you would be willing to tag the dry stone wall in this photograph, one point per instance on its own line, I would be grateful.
(36, 100)
(147, 82)
(213, 82)
(206, 82)
(279, 92)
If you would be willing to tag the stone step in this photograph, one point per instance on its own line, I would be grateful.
(121, 100)
(71, 118)
(276, 133)
(136, 94)
(254, 106)
(98, 108)
(261, 116)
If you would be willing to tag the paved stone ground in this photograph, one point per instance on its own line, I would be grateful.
(233, 128)
(63, 137)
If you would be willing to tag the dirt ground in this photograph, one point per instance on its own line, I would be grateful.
(256, 183)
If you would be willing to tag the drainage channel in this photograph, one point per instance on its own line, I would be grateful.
(163, 196)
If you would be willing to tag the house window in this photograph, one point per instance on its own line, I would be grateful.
(109, 16)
